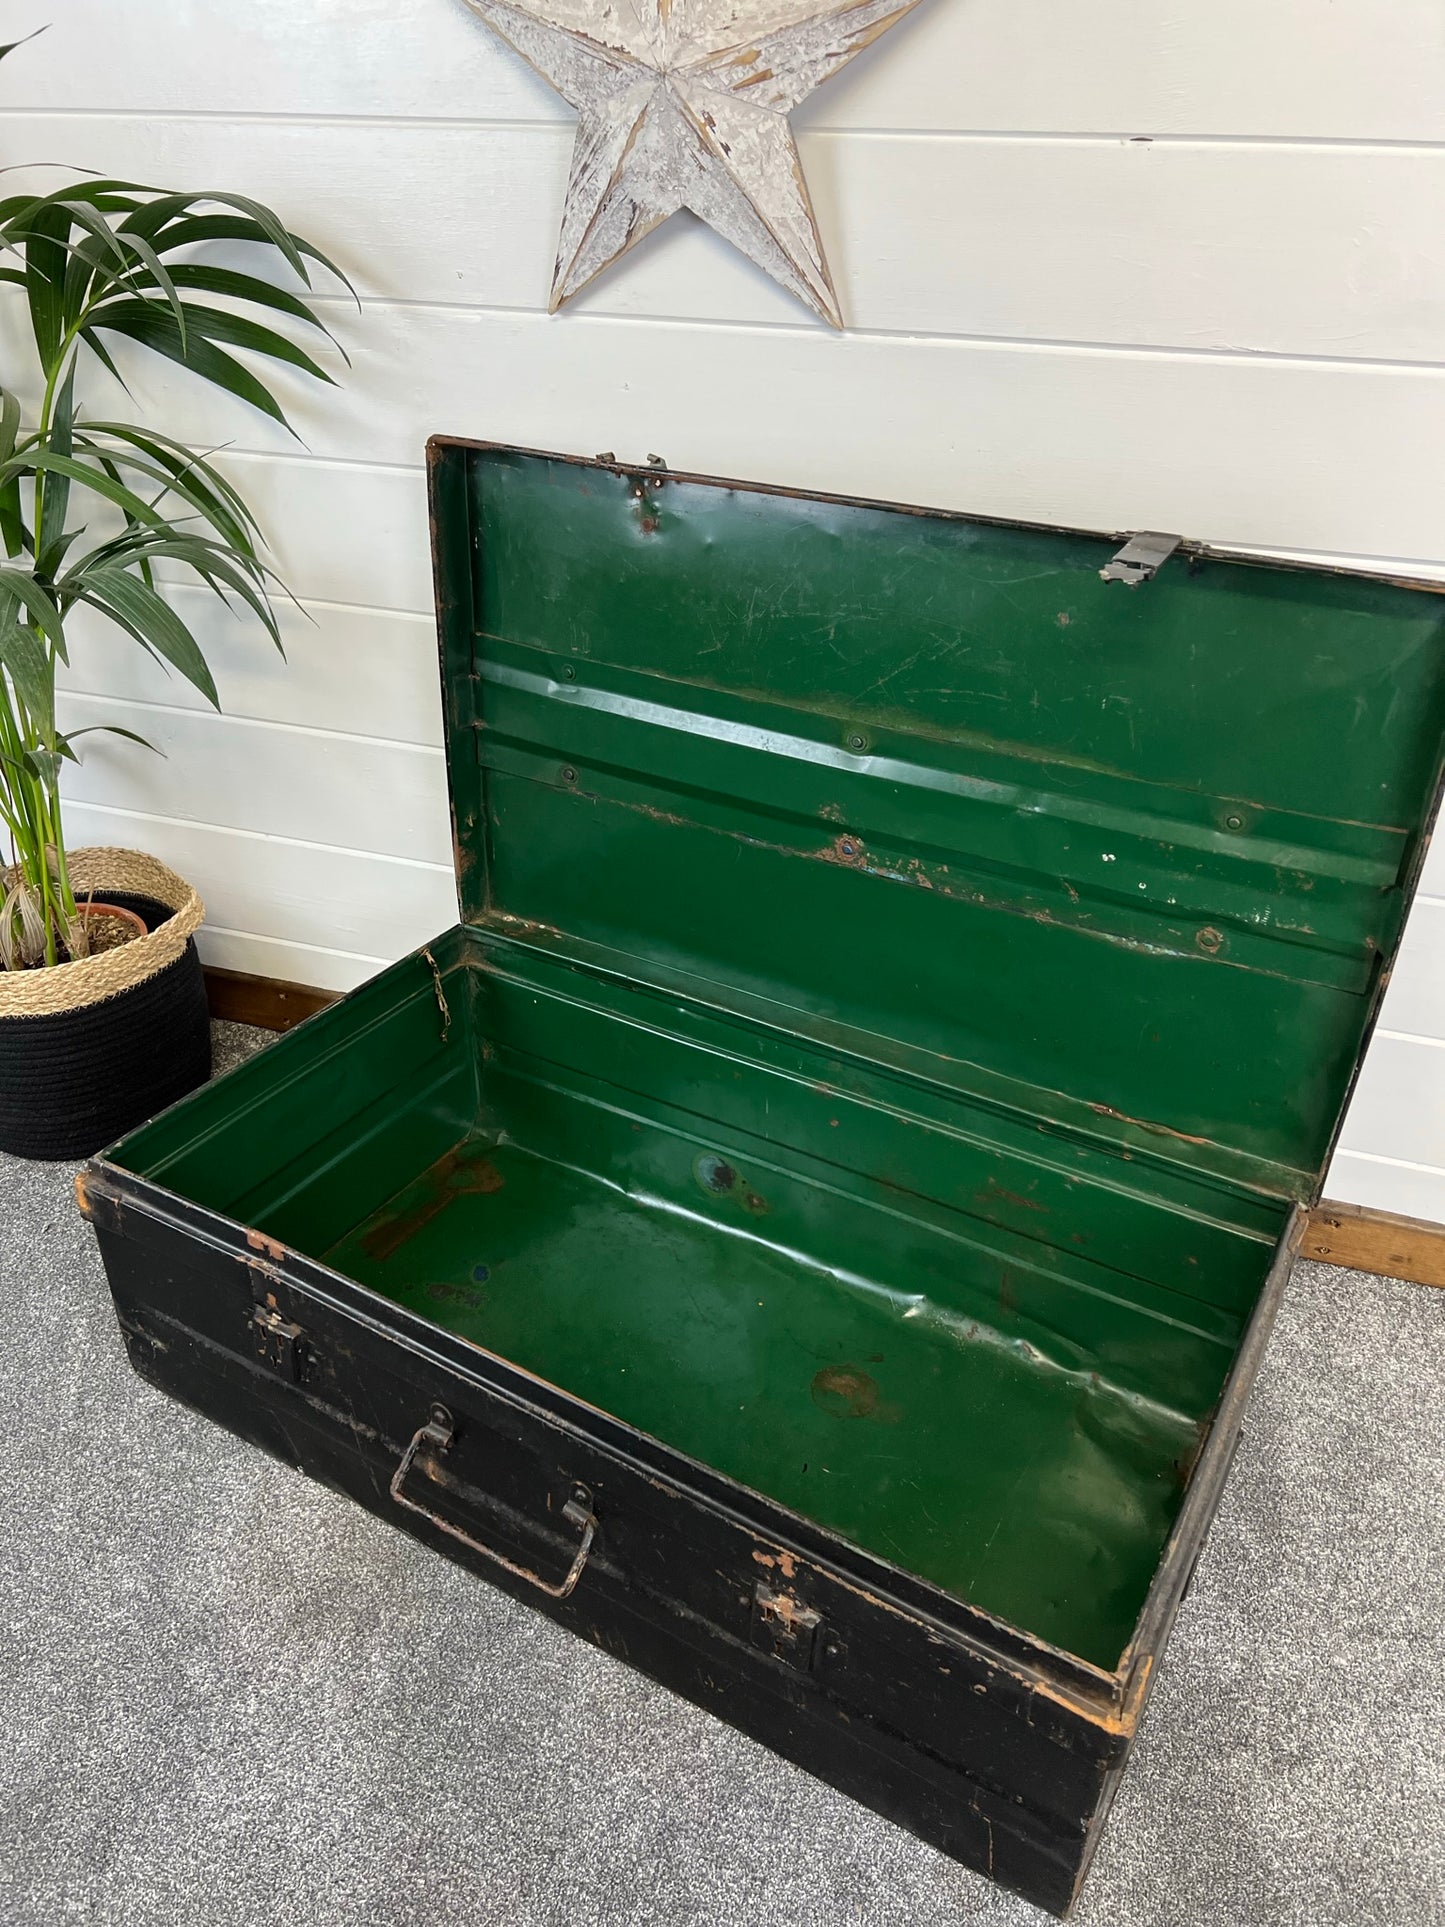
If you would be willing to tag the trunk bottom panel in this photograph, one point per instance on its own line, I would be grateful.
(1041, 1494)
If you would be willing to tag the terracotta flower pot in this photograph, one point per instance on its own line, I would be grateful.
(111, 924)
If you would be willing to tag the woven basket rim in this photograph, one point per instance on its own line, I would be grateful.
(92, 980)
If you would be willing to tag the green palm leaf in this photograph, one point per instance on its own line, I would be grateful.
(214, 324)
(47, 257)
(163, 448)
(22, 654)
(12, 520)
(153, 327)
(157, 213)
(100, 260)
(38, 604)
(10, 46)
(54, 495)
(191, 483)
(151, 620)
(63, 743)
(250, 287)
(190, 229)
(94, 479)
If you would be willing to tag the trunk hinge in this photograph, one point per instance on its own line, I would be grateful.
(1141, 556)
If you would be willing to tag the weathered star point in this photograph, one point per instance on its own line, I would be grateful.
(684, 104)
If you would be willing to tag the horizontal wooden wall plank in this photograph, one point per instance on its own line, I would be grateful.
(344, 792)
(1385, 1184)
(1415, 1000)
(1279, 249)
(1248, 451)
(325, 898)
(1353, 69)
(353, 533)
(1368, 1240)
(1432, 876)
(1398, 1110)
(258, 955)
(364, 672)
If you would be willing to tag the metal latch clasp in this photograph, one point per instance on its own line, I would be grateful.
(279, 1343)
(784, 1628)
(1141, 557)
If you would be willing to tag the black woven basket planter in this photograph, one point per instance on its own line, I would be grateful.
(72, 1081)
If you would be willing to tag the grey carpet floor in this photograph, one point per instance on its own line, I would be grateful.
(231, 1699)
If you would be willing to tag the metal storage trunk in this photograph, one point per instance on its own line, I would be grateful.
(812, 1223)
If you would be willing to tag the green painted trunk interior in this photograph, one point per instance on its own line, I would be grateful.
(903, 985)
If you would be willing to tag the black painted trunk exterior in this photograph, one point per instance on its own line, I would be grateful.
(1000, 1751)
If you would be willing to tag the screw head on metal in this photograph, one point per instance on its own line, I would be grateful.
(716, 1173)
(1234, 822)
(568, 672)
(857, 741)
(569, 775)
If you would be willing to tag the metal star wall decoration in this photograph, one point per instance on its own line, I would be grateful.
(684, 104)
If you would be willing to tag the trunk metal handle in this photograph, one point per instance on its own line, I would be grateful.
(438, 1433)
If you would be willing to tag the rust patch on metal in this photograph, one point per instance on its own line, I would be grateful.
(848, 1392)
(1117, 1718)
(789, 1612)
(994, 1193)
(648, 519)
(847, 850)
(1145, 1124)
(273, 1247)
(784, 1562)
(1121, 1720)
(850, 852)
(82, 1194)
(670, 817)
(463, 1172)
(442, 1005)
(469, 1297)
(511, 926)
(1183, 1466)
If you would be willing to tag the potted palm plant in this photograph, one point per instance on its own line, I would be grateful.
(102, 1006)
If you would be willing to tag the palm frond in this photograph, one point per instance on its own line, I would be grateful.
(111, 268)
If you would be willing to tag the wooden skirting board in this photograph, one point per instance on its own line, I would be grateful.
(1352, 1235)
(1363, 1239)
(266, 1002)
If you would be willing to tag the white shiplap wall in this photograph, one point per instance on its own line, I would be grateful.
(1118, 263)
